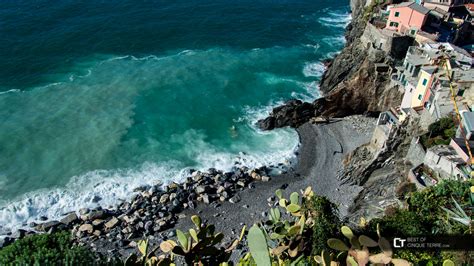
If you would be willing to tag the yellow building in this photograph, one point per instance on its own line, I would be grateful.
(422, 91)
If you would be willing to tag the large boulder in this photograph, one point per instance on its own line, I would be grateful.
(69, 219)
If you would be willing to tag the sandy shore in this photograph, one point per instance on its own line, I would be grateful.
(322, 150)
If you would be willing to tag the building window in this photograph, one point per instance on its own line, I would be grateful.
(412, 32)
(397, 14)
(393, 24)
(420, 96)
(424, 82)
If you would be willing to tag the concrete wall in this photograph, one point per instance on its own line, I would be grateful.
(384, 40)
(374, 38)
(379, 137)
(407, 96)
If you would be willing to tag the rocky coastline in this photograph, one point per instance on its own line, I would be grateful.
(227, 199)
(328, 130)
(152, 209)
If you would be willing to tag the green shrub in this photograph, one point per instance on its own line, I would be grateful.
(428, 202)
(326, 222)
(401, 222)
(46, 249)
(424, 216)
(420, 257)
(440, 132)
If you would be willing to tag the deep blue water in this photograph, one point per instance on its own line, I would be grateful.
(98, 97)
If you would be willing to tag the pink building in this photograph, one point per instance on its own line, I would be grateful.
(407, 18)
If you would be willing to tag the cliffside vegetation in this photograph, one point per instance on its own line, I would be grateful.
(46, 249)
(440, 132)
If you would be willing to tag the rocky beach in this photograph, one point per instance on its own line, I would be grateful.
(228, 200)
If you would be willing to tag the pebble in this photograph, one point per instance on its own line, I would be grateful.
(88, 228)
(112, 223)
(234, 199)
(164, 198)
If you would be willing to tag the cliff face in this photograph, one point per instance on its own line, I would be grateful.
(351, 57)
(357, 81)
(350, 85)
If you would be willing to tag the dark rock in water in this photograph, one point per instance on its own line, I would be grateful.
(176, 203)
(83, 211)
(141, 188)
(43, 218)
(5, 241)
(293, 113)
(212, 171)
(19, 234)
(96, 199)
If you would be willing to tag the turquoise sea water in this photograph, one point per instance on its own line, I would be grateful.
(99, 97)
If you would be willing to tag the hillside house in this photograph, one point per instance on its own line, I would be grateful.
(423, 78)
(407, 18)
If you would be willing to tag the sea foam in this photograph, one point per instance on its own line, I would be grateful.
(96, 93)
(335, 19)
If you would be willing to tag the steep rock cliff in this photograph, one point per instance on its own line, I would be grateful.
(350, 85)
